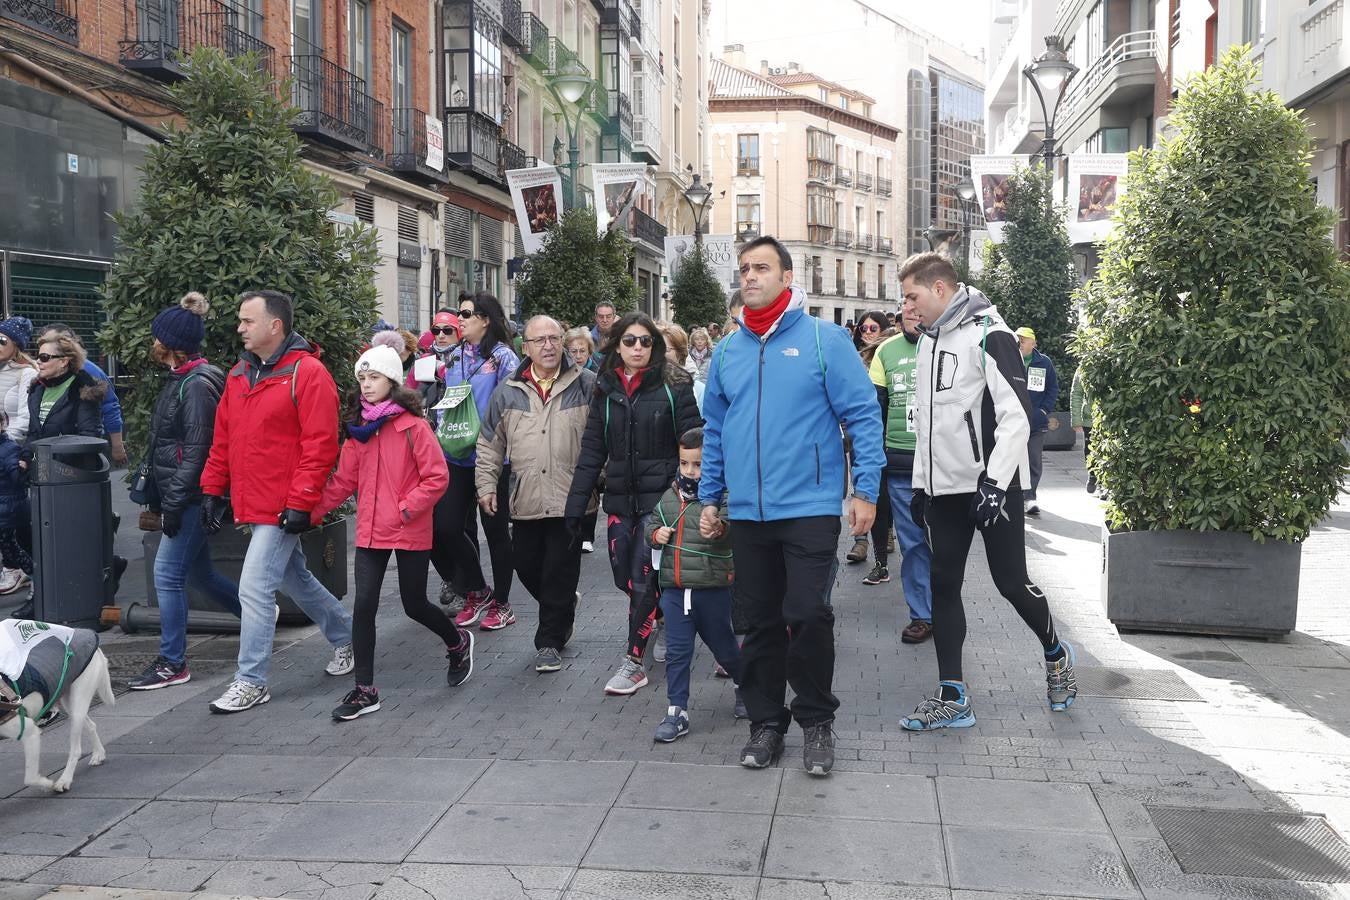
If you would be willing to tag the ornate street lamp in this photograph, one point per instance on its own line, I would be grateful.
(1050, 74)
(569, 87)
(697, 196)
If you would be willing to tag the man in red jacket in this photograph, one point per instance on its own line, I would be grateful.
(275, 443)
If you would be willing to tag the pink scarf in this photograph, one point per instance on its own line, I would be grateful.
(372, 412)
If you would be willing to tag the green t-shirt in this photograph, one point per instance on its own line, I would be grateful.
(49, 397)
(894, 367)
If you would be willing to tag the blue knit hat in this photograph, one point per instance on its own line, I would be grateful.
(182, 327)
(17, 329)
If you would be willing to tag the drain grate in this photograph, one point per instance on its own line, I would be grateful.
(1251, 844)
(1133, 684)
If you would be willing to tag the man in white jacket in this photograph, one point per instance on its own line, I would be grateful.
(973, 419)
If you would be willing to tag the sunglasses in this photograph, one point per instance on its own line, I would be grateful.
(870, 328)
(443, 329)
(4, 341)
(632, 340)
(467, 314)
(48, 357)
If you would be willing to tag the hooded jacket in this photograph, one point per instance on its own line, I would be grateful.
(276, 434)
(774, 407)
(973, 415)
(182, 425)
(635, 440)
(690, 560)
(78, 411)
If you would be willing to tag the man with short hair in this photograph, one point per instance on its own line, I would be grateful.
(536, 418)
(778, 391)
(714, 332)
(275, 445)
(1043, 389)
(973, 418)
(605, 315)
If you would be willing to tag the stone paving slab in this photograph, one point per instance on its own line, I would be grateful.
(343, 831)
(384, 780)
(42, 825)
(185, 830)
(511, 835)
(420, 881)
(667, 840)
(700, 788)
(1004, 859)
(309, 880)
(595, 884)
(847, 849)
(126, 872)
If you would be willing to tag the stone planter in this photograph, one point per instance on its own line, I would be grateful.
(1061, 435)
(1211, 582)
(325, 552)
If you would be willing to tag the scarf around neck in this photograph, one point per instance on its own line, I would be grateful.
(373, 415)
(761, 320)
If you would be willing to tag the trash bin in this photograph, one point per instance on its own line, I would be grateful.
(71, 500)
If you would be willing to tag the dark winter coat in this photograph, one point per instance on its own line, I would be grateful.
(79, 411)
(635, 442)
(690, 560)
(13, 490)
(182, 424)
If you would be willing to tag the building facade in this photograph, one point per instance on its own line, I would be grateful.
(803, 159)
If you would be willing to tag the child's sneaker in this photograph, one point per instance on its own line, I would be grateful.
(498, 616)
(475, 605)
(358, 703)
(674, 725)
(1061, 686)
(461, 660)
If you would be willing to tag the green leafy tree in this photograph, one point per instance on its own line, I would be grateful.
(1031, 276)
(576, 269)
(696, 294)
(1217, 336)
(226, 206)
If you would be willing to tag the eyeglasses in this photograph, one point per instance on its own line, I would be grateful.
(443, 329)
(632, 340)
(467, 314)
(869, 328)
(48, 357)
(545, 340)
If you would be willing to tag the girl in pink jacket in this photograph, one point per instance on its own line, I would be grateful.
(394, 464)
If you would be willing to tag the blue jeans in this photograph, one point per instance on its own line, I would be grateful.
(916, 560)
(709, 617)
(180, 560)
(274, 562)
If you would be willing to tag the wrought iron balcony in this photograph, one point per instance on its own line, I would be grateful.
(864, 181)
(55, 18)
(881, 292)
(332, 103)
(557, 55)
(843, 176)
(885, 244)
(161, 33)
(817, 285)
(646, 229)
(472, 144)
(597, 102)
(623, 14)
(839, 289)
(883, 187)
(377, 139)
(747, 165)
(620, 119)
(512, 157)
(408, 147)
(864, 242)
(843, 238)
(513, 26)
(536, 40)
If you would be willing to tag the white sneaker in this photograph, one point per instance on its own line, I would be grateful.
(239, 696)
(12, 580)
(587, 547)
(344, 660)
(629, 677)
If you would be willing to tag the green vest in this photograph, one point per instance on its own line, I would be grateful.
(894, 367)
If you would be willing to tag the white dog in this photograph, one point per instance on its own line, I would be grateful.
(71, 665)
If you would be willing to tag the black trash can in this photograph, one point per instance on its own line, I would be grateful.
(71, 499)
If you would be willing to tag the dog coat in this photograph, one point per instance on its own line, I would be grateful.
(32, 655)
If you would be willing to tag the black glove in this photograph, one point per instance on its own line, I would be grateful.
(213, 513)
(573, 525)
(986, 507)
(171, 522)
(918, 508)
(293, 521)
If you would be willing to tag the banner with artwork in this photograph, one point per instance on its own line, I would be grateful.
(719, 250)
(435, 144)
(1096, 183)
(990, 175)
(617, 185)
(536, 195)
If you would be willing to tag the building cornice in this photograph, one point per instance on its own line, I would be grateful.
(800, 103)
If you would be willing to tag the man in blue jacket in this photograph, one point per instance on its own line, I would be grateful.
(1043, 389)
(779, 388)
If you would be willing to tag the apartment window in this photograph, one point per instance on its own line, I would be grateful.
(569, 24)
(858, 161)
(862, 279)
(820, 206)
(305, 26)
(400, 56)
(747, 154)
(1253, 21)
(860, 220)
(1109, 140)
(676, 43)
(881, 282)
(824, 94)
(839, 277)
(358, 38)
(675, 123)
(747, 213)
(881, 225)
(473, 68)
(843, 102)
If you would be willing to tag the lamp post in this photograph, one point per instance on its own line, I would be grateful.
(965, 191)
(569, 87)
(697, 195)
(1050, 74)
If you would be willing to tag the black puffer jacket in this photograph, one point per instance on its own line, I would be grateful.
(635, 442)
(79, 411)
(182, 425)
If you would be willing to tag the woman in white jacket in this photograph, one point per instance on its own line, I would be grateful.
(17, 372)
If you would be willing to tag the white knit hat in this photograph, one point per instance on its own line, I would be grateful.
(383, 360)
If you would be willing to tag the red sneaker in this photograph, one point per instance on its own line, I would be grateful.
(498, 615)
(475, 605)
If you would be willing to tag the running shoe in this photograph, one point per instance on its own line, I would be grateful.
(358, 702)
(475, 605)
(497, 617)
(344, 660)
(818, 748)
(1061, 687)
(879, 575)
(160, 674)
(627, 678)
(239, 696)
(674, 726)
(547, 659)
(935, 713)
(764, 747)
(461, 660)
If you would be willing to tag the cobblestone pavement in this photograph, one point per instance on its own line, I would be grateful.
(519, 785)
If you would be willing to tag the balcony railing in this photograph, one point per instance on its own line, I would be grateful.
(883, 187)
(839, 289)
(536, 37)
(513, 26)
(864, 242)
(1322, 28)
(864, 181)
(597, 103)
(747, 231)
(472, 144)
(55, 18)
(1132, 45)
(512, 157)
(843, 238)
(623, 14)
(377, 139)
(747, 165)
(843, 176)
(557, 55)
(646, 229)
(885, 244)
(817, 285)
(620, 114)
(408, 146)
(333, 105)
(161, 33)
(881, 292)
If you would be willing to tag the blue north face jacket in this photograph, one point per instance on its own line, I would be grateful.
(773, 408)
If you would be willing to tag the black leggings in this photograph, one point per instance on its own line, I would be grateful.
(950, 531)
(881, 526)
(13, 553)
(453, 551)
(412, 588)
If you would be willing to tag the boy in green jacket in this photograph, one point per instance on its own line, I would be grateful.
(696, 574)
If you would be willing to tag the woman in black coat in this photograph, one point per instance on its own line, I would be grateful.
(64, 399)
(640, 408)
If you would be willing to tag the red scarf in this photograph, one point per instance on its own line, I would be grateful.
(190, 365)
(629, 384)
(761, 320)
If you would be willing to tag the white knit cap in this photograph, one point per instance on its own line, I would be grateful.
(383, 360)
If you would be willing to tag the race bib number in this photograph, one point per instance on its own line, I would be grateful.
(1036, 379)
(911, 419)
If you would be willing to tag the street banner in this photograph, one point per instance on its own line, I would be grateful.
(616, 187)
(719, 250)
(991, 174)
(536, 195)
(435, 143)
(1096, 184)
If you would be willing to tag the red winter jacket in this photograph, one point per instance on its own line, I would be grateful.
(276, 434)
(397, 475)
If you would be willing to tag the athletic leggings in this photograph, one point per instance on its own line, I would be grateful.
(950, 531)
(412, 588)
(881, 525)
(630, 559)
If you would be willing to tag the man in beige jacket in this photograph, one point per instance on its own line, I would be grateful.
(535, 419)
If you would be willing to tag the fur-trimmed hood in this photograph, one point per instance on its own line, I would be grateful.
(91, 389)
